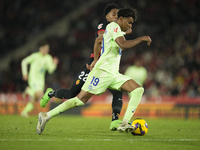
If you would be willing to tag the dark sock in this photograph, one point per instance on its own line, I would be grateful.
(115, 115)
(67, 94)
(116, 104)
(51, 94)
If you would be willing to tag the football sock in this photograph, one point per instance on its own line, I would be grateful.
(115, 115)
(116, 104)
(136, 96)
(68, 104)
(28, 108)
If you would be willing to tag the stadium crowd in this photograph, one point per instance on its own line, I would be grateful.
(172, 61)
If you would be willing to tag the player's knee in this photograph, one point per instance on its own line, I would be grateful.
(77, 102)
(139, 90)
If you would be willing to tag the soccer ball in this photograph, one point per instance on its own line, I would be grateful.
(141, 126)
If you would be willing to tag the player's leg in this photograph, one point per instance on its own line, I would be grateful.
(80, 100)
(124, 83)
(116, 109)
(27, 109)
(38, 95)
(77, 84)
(35, 91)
(92, 86)
(26, 92)
(30, 105)
(136, 92)
(116, 104)
(72, 92)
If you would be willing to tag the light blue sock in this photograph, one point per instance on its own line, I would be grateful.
(136, 96)
(68, 104)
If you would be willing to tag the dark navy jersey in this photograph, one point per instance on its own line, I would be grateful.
(101, 26)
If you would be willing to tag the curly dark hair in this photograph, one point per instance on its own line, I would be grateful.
(128, 12)
(109, 7)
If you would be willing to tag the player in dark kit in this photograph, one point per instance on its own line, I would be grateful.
(110, 13)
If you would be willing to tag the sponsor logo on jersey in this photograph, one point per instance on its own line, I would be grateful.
(115, 29)
(100, 26)
(77, 82)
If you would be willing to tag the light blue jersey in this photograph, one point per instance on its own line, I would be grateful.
(110, 50)
(39, 64)
(106, 74)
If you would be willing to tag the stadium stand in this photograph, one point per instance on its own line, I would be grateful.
(172, 61)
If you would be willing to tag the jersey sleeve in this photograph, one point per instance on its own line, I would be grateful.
(115, 31)
(101, 26)
(25, 62)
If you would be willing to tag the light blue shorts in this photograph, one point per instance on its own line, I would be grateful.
(36, 86)
(99, 80)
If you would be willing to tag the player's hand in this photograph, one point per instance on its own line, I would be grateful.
(25, 78)
(89, 67)
(55, 60)
(129, 31)
(147, 39)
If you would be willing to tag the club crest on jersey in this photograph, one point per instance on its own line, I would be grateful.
(100, 26)
(115, 29)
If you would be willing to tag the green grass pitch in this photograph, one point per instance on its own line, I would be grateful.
(92, 133)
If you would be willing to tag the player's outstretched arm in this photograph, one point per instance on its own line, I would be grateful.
(131, 43)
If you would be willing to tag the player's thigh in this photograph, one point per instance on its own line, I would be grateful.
(129, 86)
(118, 81)
(36, 87)
(116, 94)
(84, 96)
(38, 95)
(97, 82)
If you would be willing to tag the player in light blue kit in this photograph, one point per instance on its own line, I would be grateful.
(39, 62)
(105, 73)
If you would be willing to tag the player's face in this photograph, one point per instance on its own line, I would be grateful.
(112, 15)
(44, 49)
(126, 23)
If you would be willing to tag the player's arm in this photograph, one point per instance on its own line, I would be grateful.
(97, 48)
(24, 65)
(129, 31)
(97, 44)
(52, 64)
(121, 41)
(101, 32)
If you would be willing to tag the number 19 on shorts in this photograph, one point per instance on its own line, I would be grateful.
(94, 81)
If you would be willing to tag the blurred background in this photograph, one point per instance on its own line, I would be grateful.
(172, 61)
